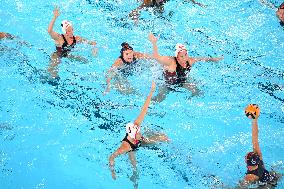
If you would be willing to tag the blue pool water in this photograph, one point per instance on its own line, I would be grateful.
(61, 136)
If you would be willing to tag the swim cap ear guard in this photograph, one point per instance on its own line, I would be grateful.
(252, 159)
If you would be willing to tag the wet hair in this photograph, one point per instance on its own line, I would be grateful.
(125, 46)
(252, 159)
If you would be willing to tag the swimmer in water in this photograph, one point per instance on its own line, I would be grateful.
(177, 68)
(64, 42)
(134, 140)
(256, 172)
(123, 67)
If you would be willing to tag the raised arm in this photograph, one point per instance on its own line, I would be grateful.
(255, 142)
(164, 60)
(121, 150)
(111, 72)
(144, 109)
(52, 33)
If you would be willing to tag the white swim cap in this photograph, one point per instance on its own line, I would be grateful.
(132, 130)
(65, 24)
(179, 48)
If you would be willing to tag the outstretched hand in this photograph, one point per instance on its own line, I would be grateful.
(217, 59)
(56, 12)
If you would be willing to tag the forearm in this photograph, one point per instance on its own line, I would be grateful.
(51, 24)
(111, 163)
(108, 81)
(88, 42)
(110, 74)
(207, 59)
(255, 135)
(155, 51)
(147, 102)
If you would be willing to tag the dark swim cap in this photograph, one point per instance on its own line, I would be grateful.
(252, 159)
(125, 46)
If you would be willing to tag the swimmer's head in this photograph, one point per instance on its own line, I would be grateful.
(125, 46)
(126, 52)
(132, 130)
(179, 48)
(252, 159)
(66, 26)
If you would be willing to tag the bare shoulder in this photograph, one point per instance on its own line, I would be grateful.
(171, 59)
(118, 62)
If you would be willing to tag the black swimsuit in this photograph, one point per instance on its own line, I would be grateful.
(134, 147)
(65, 48)
(178, 76)
(263, 175)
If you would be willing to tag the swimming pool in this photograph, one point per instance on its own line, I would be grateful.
(61, 136)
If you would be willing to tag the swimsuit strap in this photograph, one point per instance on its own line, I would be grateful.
(66, 43)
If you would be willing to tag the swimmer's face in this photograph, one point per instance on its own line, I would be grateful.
(69, 31)
(182, 56)
(280, 14)
(128, 55)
